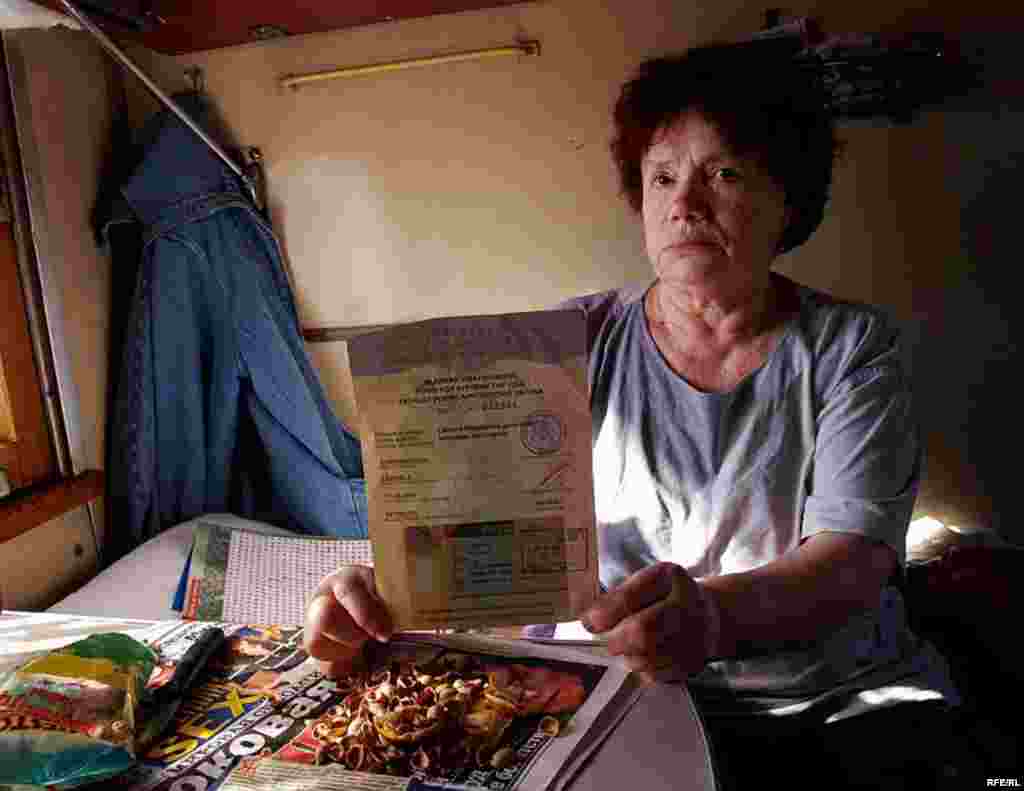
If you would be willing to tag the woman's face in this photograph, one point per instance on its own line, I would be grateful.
(710, 217)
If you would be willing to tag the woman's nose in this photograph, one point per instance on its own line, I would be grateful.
(689, 200)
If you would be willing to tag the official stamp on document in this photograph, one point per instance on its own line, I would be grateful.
(543, 433)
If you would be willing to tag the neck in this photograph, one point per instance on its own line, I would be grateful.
(708, 316)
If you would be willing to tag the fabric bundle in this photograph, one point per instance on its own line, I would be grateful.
(865, 75)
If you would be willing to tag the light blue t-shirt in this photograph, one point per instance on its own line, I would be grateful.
(822, 437)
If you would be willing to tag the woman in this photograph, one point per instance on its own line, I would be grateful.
(755, 454)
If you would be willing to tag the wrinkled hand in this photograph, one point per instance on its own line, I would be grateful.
(660, 621)
(346, 611)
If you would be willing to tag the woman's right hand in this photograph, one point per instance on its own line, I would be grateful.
(346, 611)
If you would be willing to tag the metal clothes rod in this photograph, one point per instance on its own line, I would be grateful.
(166, 100)
(525, 48)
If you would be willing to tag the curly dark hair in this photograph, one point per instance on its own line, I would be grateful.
(763, 103)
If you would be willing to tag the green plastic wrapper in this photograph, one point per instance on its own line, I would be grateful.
(69, 717)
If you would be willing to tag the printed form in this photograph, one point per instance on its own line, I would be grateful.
(476, 437)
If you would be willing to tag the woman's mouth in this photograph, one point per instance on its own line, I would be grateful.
(693, 245)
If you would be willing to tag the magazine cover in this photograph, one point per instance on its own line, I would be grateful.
(429, 711)
(422, 710)
(457, 709)
(228, 712)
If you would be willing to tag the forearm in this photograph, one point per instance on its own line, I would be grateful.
(802, 596)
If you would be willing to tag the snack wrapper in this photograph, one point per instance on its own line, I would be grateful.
(69, 717)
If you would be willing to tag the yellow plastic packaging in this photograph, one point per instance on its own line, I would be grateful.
(69, 717)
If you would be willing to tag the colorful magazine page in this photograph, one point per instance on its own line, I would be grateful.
(261, 697)
(240, 576)
(567, 704)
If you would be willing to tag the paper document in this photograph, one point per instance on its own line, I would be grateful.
(240, 576)
(477, 451)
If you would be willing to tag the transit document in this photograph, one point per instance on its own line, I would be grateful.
(476, 438)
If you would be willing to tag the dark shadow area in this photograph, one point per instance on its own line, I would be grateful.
(965, 340)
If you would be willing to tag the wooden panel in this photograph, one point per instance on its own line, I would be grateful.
(193, 25)
(26, 511)
(7, 431)
(44, 565)
(31, 434)
(10, 462)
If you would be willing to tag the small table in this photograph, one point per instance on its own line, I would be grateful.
(660, 744)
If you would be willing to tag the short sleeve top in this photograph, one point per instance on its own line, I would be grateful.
(821, 437)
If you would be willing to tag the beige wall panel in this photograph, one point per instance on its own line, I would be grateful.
(44, 565)
(893, 225)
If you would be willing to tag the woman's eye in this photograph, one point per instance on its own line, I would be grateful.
(662, 179)
(729, 174)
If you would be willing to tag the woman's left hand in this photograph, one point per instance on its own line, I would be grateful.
(660, 621)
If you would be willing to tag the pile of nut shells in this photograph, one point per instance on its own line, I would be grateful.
(431, 720)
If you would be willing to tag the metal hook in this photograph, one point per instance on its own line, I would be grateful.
(194, 74)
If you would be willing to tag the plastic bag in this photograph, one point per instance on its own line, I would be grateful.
(69, 717)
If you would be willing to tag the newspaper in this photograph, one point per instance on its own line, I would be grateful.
(241, 576)
(477, 451)
(260, 697)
